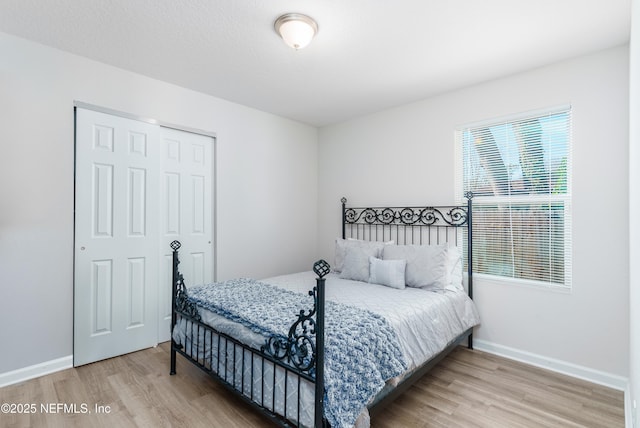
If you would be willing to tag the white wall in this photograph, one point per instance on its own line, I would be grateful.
(266, 186)
(405, 155)
(634, 213)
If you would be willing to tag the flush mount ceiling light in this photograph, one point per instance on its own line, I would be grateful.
(296, 29)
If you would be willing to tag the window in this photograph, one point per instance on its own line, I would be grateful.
(519, 171)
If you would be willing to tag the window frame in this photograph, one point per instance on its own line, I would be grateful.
(565, 198)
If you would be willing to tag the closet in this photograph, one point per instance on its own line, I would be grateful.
(138, 186)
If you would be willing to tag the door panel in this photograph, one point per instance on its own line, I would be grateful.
(116, 236)
(186, 213)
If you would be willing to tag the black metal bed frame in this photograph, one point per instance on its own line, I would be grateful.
(300, 355)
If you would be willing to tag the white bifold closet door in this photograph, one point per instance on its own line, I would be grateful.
(136, 191)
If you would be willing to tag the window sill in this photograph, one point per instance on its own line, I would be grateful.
(538, 285)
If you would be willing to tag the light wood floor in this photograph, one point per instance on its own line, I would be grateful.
(467, 389)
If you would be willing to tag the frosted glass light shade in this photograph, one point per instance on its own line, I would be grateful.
(296, 29)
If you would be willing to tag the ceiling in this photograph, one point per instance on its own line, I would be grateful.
(368, 55)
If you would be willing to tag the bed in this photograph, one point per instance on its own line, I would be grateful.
(334, 346)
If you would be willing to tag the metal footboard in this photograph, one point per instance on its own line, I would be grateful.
(280, 378)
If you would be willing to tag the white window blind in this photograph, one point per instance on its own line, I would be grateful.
(519, 171)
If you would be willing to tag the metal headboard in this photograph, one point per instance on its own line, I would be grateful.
(428, 225)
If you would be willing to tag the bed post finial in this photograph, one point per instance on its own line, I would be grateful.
(343, 200)
(321, 268)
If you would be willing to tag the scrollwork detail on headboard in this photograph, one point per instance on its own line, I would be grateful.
(407, 216)
(350, 215)
(458, 216)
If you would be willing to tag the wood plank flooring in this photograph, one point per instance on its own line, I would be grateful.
(467, 389)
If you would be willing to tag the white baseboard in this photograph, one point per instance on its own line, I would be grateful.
(37, 370)
(601, 378)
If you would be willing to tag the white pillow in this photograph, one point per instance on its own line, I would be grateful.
(342, 244)
(427, 265)
(455, 262)
(356, 262)
(387, 272)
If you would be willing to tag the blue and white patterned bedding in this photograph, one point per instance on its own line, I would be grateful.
(361, 350)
